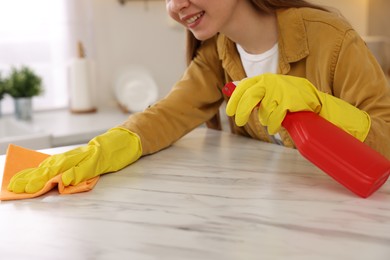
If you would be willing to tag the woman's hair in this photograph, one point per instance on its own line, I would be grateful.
(264, 6)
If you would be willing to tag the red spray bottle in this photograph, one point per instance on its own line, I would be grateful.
(350, 162)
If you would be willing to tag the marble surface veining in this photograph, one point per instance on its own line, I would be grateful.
(211, 195)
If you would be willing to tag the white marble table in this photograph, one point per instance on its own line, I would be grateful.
(210, 196)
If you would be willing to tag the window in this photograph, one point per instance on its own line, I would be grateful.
(36, 34)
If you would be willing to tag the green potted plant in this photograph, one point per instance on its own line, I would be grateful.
(23, 84)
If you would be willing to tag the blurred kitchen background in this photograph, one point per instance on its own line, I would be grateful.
(118, 35)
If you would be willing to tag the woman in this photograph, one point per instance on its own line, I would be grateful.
(295, 55)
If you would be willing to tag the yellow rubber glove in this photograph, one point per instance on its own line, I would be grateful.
(105, 153)
(278, 94)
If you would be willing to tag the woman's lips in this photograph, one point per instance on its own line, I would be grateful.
(192, 20)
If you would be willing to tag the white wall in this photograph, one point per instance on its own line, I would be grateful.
(135, 33)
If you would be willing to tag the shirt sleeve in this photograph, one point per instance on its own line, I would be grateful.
(193, 100)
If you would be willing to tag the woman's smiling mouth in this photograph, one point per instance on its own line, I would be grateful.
(194, 18)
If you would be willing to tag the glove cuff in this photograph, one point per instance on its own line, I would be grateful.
(346, 116)
(119, 147)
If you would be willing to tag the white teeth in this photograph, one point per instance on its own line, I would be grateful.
(194, 18)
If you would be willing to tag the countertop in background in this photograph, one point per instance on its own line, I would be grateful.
(65, 128)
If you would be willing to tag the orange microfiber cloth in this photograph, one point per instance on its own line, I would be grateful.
(19, 158)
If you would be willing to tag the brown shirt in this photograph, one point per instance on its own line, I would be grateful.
(313, 44)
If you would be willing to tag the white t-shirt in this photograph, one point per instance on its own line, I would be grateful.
(256, 64)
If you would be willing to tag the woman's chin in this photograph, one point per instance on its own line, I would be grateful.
(202, 36)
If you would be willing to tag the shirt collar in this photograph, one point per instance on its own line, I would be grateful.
(292, 42)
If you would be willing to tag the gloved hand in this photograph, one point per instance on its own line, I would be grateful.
(105, 153)
(278, 94)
